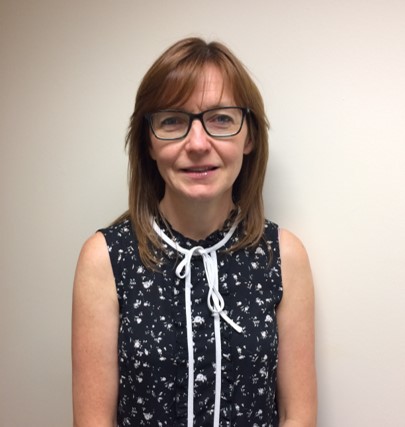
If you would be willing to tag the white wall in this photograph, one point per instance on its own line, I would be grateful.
(333, 77)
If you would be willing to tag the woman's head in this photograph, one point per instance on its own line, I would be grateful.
(168, 84)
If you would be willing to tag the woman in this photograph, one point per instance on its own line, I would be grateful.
(192, 309)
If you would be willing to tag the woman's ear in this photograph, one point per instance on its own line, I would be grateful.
(248, 146)
(151, 151)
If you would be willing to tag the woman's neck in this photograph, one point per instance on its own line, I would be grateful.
(196, 220)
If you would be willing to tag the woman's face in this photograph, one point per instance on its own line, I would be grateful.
(200, 167)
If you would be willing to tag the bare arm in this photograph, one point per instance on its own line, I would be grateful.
(95, 320)
(295, 315)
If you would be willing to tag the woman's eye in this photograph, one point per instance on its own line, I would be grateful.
(221, 120)
(169, 121)
(224, 119)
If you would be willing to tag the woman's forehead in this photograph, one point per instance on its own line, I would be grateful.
(211, 90)
(208, 89)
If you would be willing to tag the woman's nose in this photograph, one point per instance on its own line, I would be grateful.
(197, 139)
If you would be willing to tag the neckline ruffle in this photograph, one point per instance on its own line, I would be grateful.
(210, 240)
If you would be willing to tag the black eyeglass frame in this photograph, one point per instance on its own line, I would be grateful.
(197, 116)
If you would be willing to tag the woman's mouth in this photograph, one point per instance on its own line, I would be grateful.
(201, 171)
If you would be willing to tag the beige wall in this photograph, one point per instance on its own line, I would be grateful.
(333, 77)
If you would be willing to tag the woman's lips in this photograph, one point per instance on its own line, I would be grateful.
(201, 171)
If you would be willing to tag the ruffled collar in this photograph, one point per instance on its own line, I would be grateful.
(210, 240)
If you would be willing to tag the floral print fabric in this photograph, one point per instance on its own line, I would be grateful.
(152, 342)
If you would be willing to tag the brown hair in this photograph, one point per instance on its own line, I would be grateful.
(169, 82)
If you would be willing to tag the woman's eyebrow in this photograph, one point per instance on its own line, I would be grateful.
(205, 107)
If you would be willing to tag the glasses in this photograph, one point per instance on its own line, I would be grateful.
(217, 122)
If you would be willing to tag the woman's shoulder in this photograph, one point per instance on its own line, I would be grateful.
(295, 265)
(94, 250)
(290, 244)
(120, 228)
(118, 234)
(291, 247)
(93, 267)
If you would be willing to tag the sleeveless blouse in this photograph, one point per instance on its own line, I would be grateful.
(152, 339)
